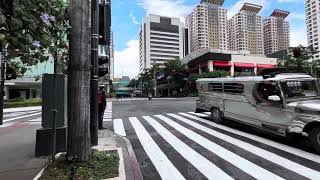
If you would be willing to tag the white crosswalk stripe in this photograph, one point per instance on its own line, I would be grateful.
(163, 165)
(243, 164)
(310, 173)
(292, 150)
(210, 170)
(118, 127)
(164, 125)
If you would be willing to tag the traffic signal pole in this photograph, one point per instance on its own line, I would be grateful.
(2, 79)
(94, 72)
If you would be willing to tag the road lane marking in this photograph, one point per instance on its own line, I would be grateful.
(206, 167)
(293, 166)
(286, 148)
(34, 123)
(107, 120)
(29, 115)
(18, 114)
(241, 163)
(118, 127)
(161, 162)
(201, 115)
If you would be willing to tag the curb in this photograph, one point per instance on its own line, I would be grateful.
(133, 159)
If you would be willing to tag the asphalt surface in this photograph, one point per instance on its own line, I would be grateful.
(171, 142)
(17, 146)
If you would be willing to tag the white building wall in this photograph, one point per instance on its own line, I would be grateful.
(162, 44)
(312, 8)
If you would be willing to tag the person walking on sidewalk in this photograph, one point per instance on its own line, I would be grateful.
(102, 103)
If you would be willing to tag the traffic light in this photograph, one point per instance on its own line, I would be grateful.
(104, 22)
(296, 52)
(104, 34)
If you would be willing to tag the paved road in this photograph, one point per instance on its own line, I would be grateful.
(17, 145)
(172, 142)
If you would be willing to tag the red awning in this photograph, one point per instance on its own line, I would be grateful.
(266, 66)
(244, 65)
(222, 63)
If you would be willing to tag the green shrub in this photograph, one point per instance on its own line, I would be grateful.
(22, 103)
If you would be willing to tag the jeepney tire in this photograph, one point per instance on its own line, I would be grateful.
(216, 115)
(314, 137)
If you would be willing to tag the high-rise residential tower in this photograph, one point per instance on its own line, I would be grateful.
(160, 39)
(246, 30)
(312, 8)
(276, 32)
(207, 26)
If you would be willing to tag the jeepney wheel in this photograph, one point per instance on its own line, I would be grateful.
(216, 115)
(315, 138)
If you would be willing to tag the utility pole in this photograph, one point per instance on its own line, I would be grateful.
(94, 72)
(79, 144)
(2, 79)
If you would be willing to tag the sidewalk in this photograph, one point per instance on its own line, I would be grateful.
(129, 167)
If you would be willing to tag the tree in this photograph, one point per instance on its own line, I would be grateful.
(79, 143)
(298, 59)
(32, 31)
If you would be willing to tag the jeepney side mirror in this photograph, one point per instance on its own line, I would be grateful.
(274, 98)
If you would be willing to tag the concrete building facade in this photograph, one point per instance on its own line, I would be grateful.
(160, 39)
(276, 32)
(246, 30)
(235, 62)
(312, 8)
(207, 26)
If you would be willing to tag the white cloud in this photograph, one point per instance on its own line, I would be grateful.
(172, 8)
(127, 60)
(238, 5)
(298, 36)
(288, 1)
(296, 16)
(133, 18)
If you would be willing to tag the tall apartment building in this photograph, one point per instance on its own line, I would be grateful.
(246, 30)
(312, 8)
(207, 26)
(161, 39)
(276, 32)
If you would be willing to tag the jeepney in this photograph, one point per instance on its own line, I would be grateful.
(282, 104)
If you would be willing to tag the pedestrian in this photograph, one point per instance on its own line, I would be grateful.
(102, 103)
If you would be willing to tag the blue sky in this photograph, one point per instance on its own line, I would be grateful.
(127, 16)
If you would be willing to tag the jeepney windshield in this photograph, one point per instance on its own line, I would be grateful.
(295, 89)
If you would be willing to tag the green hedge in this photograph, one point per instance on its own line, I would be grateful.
(22, 103)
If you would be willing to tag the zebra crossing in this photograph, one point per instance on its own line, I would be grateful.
(185, 145)
(129, 99)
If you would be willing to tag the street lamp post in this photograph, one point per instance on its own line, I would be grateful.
(155, 78)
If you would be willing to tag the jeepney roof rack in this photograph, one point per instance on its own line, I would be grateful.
(271, 72)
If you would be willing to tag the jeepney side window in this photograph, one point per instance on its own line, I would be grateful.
(233, 88)
(263, 90)
(215, 87)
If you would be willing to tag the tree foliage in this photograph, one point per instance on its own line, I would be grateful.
(33, 30)
(301, 64)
